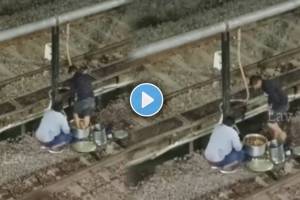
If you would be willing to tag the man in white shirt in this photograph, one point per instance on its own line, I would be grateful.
(224, 147)
(54, 130)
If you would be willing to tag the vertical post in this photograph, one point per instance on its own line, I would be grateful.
(23, 129)
(226, 72)
(55, 61)
(191, 147)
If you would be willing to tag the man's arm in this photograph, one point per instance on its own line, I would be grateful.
(65, 125)
(72, 92)
(236, 142)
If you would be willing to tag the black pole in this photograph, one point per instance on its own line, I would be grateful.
(55, 61)
(226, 72)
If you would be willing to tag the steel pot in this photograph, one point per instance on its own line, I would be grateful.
(255, 145)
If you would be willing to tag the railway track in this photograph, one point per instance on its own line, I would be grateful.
(150, 136)
(27, 104)
(104, 73)
(23, 57)
(153, 135)
(287, 188)
(73, 180)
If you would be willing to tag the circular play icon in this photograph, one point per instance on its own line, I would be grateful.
(146, 99)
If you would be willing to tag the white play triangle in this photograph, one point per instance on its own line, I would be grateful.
(146, 100)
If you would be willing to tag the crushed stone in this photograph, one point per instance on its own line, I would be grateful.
(185, 180)
(25, 157)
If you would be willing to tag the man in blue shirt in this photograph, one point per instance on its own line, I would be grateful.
(54, 131)
(83, 94)
(224, 147)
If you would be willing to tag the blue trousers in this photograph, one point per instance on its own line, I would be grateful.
(60, 140)
(234, 156)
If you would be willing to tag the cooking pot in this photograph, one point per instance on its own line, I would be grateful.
(255, 144)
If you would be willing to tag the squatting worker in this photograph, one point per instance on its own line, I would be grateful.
(278, 104)
(82, 93)
(224, 147)
(54, 130)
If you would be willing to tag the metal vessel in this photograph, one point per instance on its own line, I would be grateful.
(81, 134)
(260, 165)
(255, 145)
(277, 153)
(99, 135)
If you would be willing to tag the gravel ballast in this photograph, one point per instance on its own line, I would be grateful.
(186, 180)
(175, 17)
(26, 157)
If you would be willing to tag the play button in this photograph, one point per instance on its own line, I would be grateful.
(146, 99)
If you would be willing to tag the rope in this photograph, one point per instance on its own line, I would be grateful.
(68, 46)
(241, 66)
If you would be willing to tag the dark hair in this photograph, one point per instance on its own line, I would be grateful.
(57, 106)
(72, 69)
(254, 79)
(83, 69)
(229, 121)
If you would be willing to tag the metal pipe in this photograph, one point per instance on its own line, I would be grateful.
(226, 72)
(64, 18)
(196, 35)
(55, 61)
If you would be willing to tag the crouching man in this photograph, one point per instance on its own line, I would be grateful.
(54, 130)
(224, 149)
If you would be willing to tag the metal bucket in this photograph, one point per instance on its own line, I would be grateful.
(81, 134)
(255, 145)
(277, 152)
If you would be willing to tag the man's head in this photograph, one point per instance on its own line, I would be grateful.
(57, 106)
(72, 69)
(256, 82)
(84, 69)
(229, 121)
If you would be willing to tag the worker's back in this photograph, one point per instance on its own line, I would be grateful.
(222, 141)
(52, 124)
(276, 96)
(81, 86)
